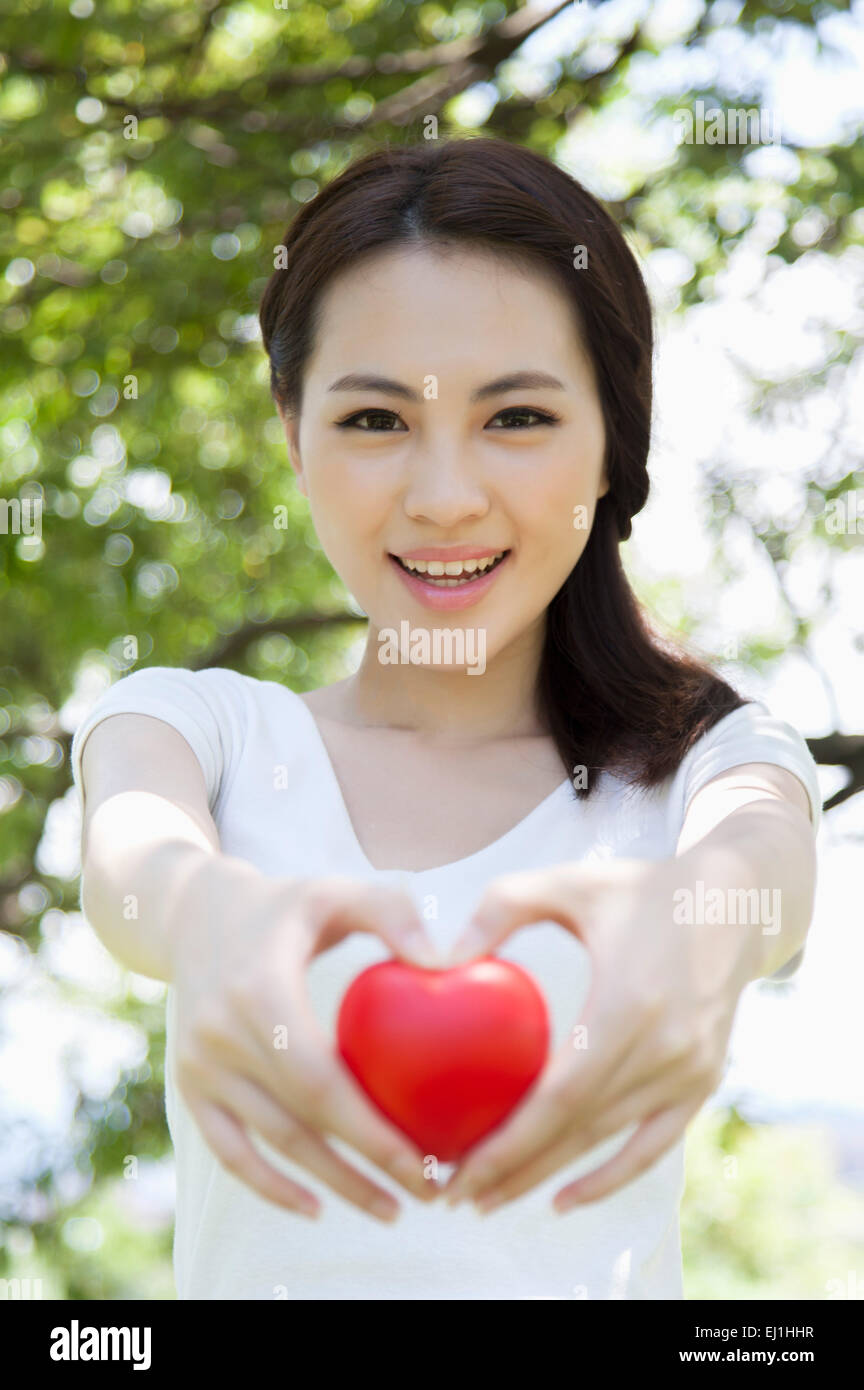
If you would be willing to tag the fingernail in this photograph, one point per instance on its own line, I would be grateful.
(407, 1172)
(310, 1206)
(492, 1199)
(423, 952)
(469, 945)
(384, 1207)
(431, 959)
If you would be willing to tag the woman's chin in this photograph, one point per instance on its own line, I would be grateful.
(441, 643)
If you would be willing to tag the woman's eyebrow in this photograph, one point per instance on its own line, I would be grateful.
(513, 381)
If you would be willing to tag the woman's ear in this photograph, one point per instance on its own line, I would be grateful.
(291, 425)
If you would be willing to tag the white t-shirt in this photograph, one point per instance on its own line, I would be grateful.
(275, 799)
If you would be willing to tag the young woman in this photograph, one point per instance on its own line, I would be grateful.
(460, 343)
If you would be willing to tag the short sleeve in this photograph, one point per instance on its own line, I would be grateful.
(205, 707)
(750, 734)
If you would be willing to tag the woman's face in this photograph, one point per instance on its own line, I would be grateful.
(426, 439)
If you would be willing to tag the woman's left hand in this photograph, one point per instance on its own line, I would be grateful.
(657, 1022)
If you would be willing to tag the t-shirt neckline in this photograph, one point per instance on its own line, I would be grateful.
(490, 850)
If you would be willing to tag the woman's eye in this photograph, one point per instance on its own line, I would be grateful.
(520, 411)
(518, 417)
(388, 416)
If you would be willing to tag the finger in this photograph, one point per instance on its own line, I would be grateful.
(537, 1122)
(343, 905)
(325, 1095)
(520, 899)
(589, 1131)
(653, 1137)
(322, 1091)
(394, 917)
(523, 1179)
(235, 1151)
(347, 1112)
(573, 1088)
(287, 1133)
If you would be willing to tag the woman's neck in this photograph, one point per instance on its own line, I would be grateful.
(498, 702)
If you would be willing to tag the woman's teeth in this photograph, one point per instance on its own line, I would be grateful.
(446, 574)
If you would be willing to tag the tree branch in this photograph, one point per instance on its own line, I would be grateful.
(235, 645)
(482, 53)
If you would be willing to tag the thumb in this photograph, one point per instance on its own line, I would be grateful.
(408, 939)
(392, 914)
(519, 900)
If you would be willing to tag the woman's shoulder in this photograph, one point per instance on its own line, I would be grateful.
(751, 720)
(216, 698)
(200, 680)
(752, 733)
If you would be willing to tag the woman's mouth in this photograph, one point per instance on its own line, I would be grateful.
(450, 584)
(450, 574)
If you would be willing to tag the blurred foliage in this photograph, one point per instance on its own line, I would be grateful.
(762, 1215)
(150, 159)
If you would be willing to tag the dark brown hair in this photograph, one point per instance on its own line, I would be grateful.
(613, 694)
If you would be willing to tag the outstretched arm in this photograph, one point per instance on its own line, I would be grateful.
(673, 943)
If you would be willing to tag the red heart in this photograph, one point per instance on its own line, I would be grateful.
(445, 1054)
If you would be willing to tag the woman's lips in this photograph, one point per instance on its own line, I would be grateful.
(449, 600)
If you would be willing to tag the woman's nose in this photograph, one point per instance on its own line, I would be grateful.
(444, 487)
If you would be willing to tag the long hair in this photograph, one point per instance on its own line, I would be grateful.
(613, 694)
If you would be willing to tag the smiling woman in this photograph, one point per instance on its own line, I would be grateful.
(531, 374)
(467, 409)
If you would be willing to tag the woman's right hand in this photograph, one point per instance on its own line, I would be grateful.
(240, 946)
